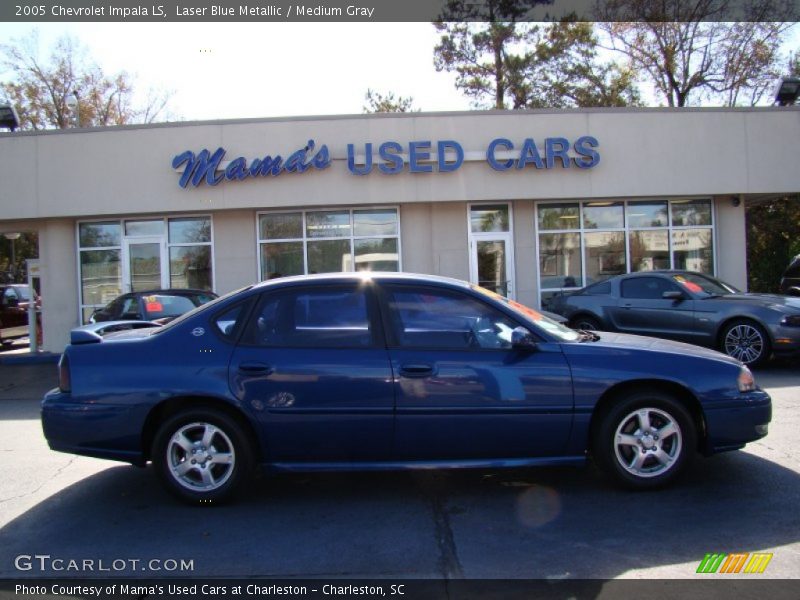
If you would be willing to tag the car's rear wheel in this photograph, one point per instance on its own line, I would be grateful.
(586, 323)
(202, 456)
(644, 440)
(746, 341)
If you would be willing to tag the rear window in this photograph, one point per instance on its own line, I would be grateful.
(158, 306)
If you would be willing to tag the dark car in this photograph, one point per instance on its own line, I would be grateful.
(790, 282)
(689, 307)
(160, 306)
(14, 303)
(391, 371)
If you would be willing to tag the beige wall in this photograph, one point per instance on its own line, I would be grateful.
(235, 259)
(59, 279)
(731, 239)
(644, 152)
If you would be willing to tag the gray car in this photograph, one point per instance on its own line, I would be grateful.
(689, 307)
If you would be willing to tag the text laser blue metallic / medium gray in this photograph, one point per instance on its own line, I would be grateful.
(391, 371)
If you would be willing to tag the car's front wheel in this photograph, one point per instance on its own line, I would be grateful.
(202, 456)
(644, 440)
(746, 341)
(585, 323)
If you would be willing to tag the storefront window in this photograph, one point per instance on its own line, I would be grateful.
(328, 241)
(281, 259)
(558, 216)
(376, 254)
(190, 267)
(692, 250)
(115, 257)
(605, 255)
(100, 276)
(99, 235)
(581, 243)
(560, 260)
(649, 250)
(691, 212)
(647, 214)
(603, 215)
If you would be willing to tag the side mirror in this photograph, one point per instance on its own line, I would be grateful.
(673, 295)
(12, 302)
(522, 339)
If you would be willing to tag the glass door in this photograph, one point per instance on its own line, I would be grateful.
(491, 264)
(144, 264)
(491, 248)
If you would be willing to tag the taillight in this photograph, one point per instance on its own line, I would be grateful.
(64, 380)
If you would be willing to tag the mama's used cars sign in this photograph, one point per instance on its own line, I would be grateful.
(390, 158)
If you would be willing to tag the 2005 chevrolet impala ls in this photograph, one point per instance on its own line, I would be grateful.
(391, 371)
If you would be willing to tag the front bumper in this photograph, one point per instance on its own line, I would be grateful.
(90, 429)
(731, 426)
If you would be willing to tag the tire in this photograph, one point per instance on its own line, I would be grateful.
(585, 323)
(203, 456)
(645, 440)
(746, 341)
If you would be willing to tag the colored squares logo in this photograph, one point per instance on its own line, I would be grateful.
(739, 562)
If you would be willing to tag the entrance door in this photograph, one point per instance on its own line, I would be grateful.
(144, 264)
(491, 265)
(491, 248)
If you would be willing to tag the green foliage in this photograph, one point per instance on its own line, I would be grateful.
(68, 90)
(773, 239)
(531, 65)
(386, 103)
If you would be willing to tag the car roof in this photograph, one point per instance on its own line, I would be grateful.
(362, 276)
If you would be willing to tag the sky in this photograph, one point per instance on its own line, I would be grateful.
(253, 70)
(242, 70)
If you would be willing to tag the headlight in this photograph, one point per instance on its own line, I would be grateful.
(746, 381)
(791, 321)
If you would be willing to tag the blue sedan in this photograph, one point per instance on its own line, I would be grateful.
(391, 371)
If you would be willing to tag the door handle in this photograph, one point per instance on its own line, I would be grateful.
(416, 370)
(253, 368)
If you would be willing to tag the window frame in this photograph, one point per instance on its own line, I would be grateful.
(305, 239)
(627, 230)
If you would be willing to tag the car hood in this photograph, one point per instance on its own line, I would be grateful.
(649, 344)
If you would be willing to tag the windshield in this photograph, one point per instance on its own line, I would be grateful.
(24, 292)
(202, 307)
(704, 285)
(552, 327)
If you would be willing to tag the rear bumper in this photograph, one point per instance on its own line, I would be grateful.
(90, 429)
(732, 426)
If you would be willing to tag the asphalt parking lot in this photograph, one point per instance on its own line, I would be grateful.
(544, 523)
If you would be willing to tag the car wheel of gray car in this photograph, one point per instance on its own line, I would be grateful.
(746, 341)
(644, 440)
(202, 456)
(585, 323)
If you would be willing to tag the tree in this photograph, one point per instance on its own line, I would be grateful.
(528, 65)
(773, 238)
(385, 103)
(690, 57)
(69, 90)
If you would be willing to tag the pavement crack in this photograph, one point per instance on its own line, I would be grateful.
(41, 485)
(449, 564)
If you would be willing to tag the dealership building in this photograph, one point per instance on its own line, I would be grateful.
(527, 203)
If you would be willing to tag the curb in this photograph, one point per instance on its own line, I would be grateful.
(31, 358)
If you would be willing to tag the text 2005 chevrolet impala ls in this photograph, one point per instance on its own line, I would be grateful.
(391, 371)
